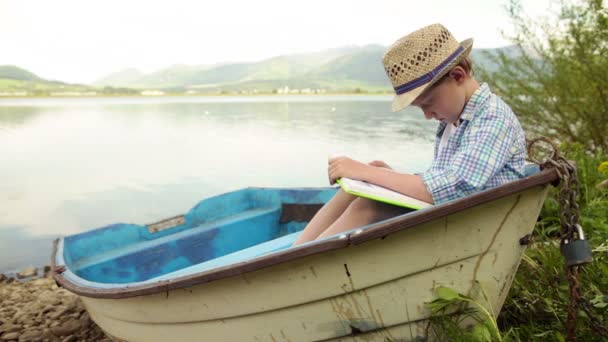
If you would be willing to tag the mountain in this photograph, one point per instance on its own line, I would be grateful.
(15, 81)
(364, 65)
(318, 69)
(205, 76)
(15, 73)
(482, 58)
(344, 68)
(121, 77)
(349, 68)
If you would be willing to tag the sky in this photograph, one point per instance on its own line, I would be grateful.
(82, 41)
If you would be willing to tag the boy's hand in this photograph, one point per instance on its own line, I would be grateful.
(345, 167)
(379, 163)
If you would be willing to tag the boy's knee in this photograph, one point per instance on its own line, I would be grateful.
(366, 208)
(373, 211)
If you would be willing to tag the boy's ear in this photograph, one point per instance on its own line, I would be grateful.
(458, 74)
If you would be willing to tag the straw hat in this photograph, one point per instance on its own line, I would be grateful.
(416, 61)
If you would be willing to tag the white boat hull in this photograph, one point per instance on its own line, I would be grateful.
(371, 291)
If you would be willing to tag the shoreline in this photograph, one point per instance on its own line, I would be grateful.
(195, 95)
(34, 308)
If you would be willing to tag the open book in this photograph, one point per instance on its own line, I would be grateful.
(378, 193)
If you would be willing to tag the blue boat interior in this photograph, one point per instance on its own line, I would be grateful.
(218, 231)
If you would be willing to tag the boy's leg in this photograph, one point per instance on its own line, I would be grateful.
(325, 216)
(361, 212)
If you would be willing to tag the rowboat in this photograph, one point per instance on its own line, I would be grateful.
(227, 271)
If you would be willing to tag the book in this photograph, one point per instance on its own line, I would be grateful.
(378, 193)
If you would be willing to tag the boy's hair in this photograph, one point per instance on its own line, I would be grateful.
(466, 63)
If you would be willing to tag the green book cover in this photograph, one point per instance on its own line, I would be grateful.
(378, 193)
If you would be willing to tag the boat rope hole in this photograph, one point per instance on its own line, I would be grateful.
(346, 268)
(525, 240)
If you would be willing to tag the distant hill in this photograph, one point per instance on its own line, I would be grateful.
(15, 73)
(482, 57)
(121, 77)
(364, 65)
(348, 69)
(345, 68)
(15, 81)
(228, 74)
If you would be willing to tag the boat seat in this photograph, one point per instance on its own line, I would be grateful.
(264, 248)
(271, 246)
(224, 222)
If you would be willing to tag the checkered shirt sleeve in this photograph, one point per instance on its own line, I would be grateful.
(488, 151)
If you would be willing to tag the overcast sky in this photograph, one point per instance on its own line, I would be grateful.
(83, 40)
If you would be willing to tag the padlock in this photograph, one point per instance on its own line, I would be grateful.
(577, 252)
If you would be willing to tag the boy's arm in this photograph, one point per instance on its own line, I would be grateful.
(488, 146)
(404, 183)
(407, 184)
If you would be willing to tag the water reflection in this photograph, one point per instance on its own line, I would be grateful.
(77, 164)
(13, 117)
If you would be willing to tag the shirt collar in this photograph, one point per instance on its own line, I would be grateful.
(476, 100)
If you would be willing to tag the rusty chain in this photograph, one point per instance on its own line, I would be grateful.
(569, 217)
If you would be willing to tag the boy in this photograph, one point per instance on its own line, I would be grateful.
(479, 143)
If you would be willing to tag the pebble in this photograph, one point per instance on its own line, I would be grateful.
(28, 272)
(70, 338)
(66, 328)
(31, 335)
(37, 310)
(10, 328)
(10, 336)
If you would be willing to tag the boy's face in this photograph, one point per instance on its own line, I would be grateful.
(446, 100)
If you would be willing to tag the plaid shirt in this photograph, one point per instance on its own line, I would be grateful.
(487, 149)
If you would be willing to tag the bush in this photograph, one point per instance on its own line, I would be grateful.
(558, 85)
(536, 308)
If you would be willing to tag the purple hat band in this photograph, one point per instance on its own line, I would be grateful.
(426, 78)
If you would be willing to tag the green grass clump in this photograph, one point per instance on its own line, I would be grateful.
(537, 305)
(536, 308)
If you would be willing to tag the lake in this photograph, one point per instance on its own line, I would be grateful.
(69, 165)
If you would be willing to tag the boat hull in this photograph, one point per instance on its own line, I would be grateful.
(373, 290)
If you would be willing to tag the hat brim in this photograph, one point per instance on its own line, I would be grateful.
(404, 100)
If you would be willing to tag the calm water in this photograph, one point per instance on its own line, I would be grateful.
(69, 165)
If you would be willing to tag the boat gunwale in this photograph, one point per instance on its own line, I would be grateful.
(356, 237)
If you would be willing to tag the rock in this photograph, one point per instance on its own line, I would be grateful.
(47, 308)
(41, 283)
(36, 310)
(48, 335)
(60, 312)
(9, 328)
(49, 298)
(85, 316)
(28, 272)
(2, 277)
(31, 335)
(10, 336)
(66, 328)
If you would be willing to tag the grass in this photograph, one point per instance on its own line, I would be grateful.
(536, 307)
